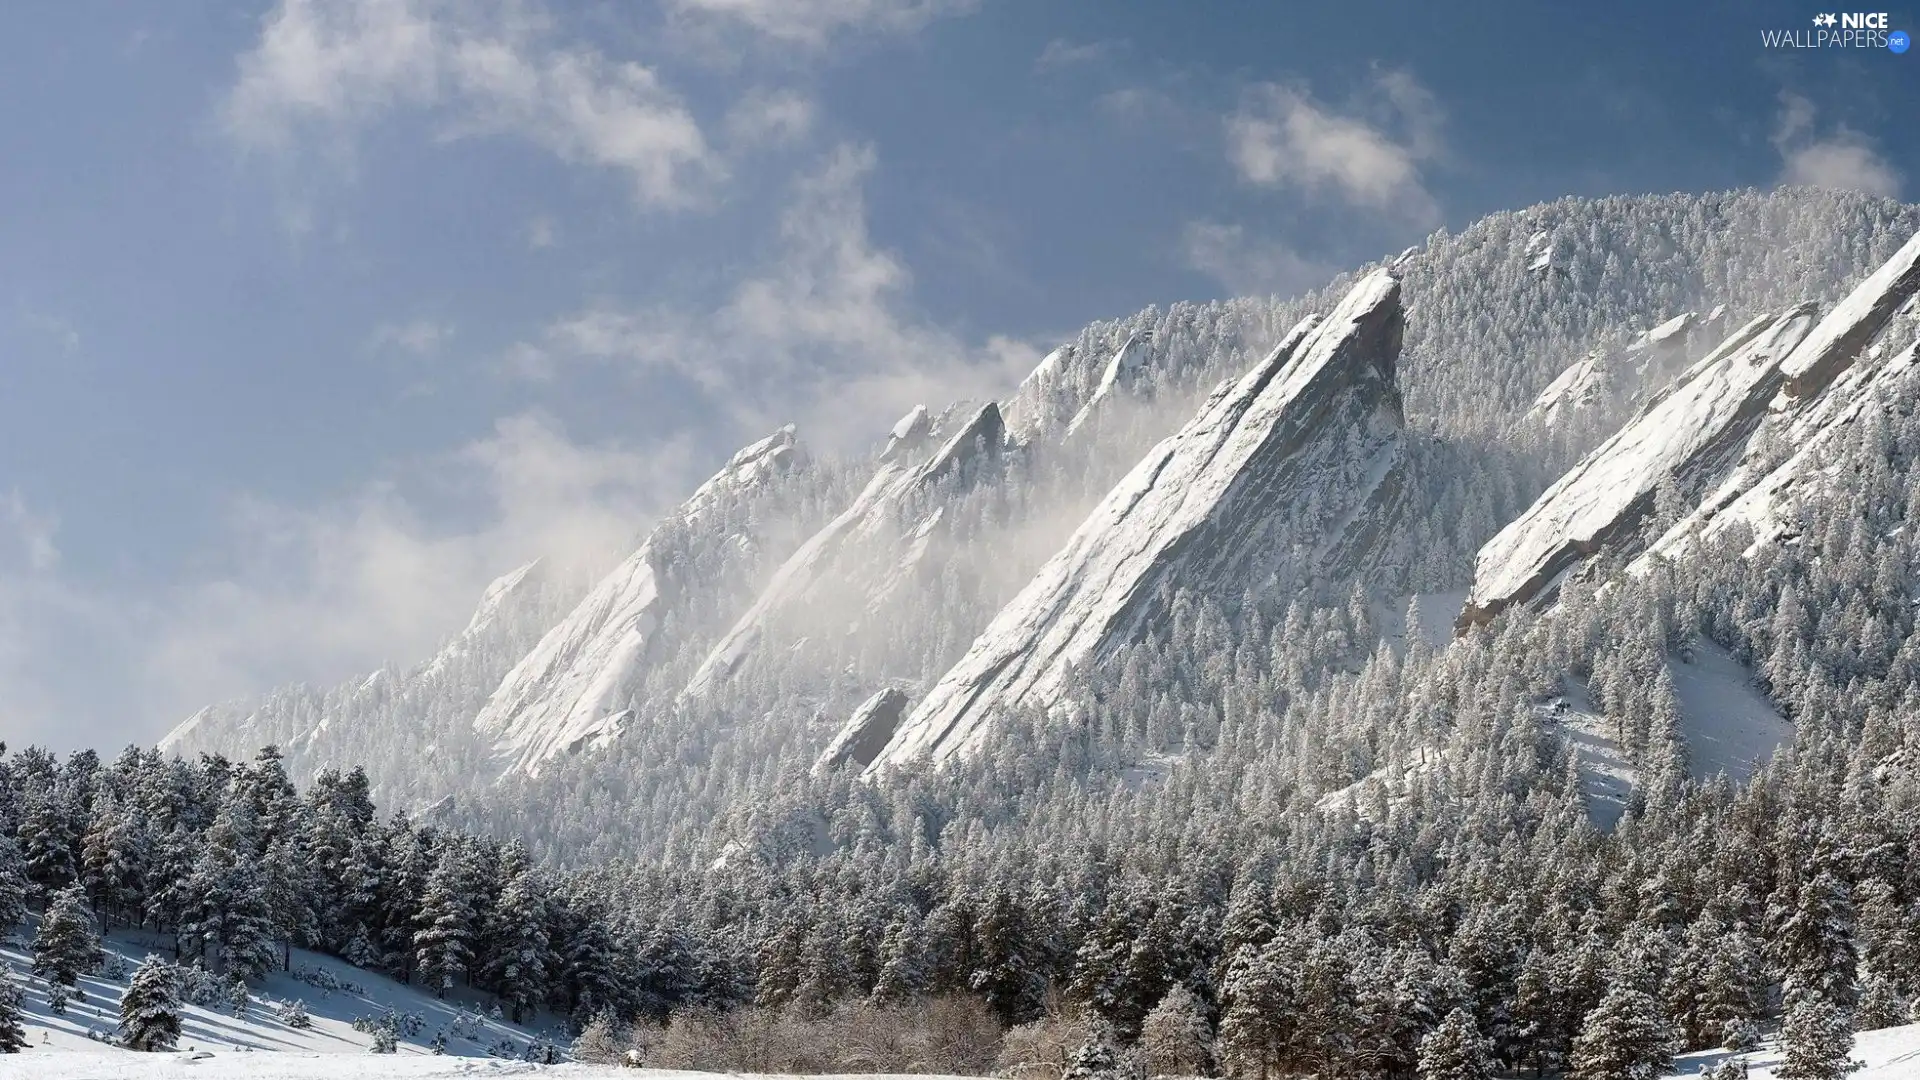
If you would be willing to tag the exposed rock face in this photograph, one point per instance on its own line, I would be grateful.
(1762, 499)
(1853, 323)
(866, 732)
(1120, 372)
(836, 564)
(564, 694)
(1584, 382)
(1226, 499)
(1029, 410)
(1791, 373)
(1690, 429)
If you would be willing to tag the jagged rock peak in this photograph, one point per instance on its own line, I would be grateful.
(1121, 371)
(1199, 510)
(1685, 433)
(566, 692)
(866, 732)
(824, 564)
(911, 430)
(1839, 339)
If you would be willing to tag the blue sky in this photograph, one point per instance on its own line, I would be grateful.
(316, 315)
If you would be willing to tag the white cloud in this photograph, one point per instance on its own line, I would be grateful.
(421, 337)
(1844, 159)
(1369, 155)
(823, 333)
(51, 327)
(542, 232)
(29, 534)
(814, 23)
(1247, 268)
(770, 117)
(315, 594)
(1060, 53)
(490, 67)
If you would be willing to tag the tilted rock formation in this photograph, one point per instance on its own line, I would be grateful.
(1691, 428)
(1298, 460)
(866, 732)
(833, 565)
(565, 693)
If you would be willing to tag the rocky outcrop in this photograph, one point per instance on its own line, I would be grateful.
(1687, 431)
(1761, 499)
(866, 732)
(859, 557)
(566, 692)
(1298, 460)
(1853, 324)
(1791, 373)
(1120, 373)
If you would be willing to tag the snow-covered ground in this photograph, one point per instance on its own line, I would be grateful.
(1889, 1054)
(334, 993)
(1730, 727)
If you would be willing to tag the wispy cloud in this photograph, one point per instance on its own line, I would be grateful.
(1369, 154)
(417, 337)
(1061, 54)
(823, 332)
(770, 117)
(1843, 159)
(50, 328)
(322, 69)
(1248, 267)
(816, 23)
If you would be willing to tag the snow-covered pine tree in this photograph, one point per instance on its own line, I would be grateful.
(13, 1032)
(518, 955)
(443, 945)
(1817, 1040)
(13, 886)
(150, 1009)
(1627, 1037)
(1456, 1050)
(67, 945)
(229, 922)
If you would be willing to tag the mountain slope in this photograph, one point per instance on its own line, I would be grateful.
(1695, 438)
(567, 692)
(1208, 505)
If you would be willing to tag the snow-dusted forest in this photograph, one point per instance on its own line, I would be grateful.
(1501, 661)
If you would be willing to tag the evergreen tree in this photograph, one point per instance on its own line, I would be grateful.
(1456, 1051)
(13, 1032)
(1625, 1038)
(1817, 1040)
(13, 886)
(150, 1009)
(444, 942)
(67, 945)
(518, 955)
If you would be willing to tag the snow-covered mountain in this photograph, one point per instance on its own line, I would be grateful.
(849, 570)
(1291, 471)
(739, 639)
(1691, 443)
(567, 692)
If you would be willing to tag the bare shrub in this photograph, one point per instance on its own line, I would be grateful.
(1043, 1049)
(949, 1035)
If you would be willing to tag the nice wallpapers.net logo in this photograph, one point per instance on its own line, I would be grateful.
(1843, 30)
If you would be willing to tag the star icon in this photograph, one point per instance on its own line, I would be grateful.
(1824, 20)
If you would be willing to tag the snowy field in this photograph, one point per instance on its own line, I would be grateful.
(1730, 727)
(333, 992)
(1889, 1053)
